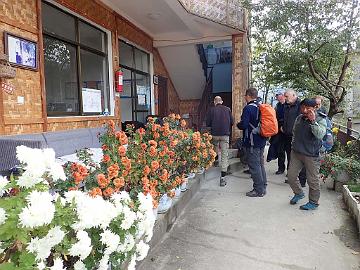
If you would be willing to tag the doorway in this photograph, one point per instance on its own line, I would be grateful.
(163, 96)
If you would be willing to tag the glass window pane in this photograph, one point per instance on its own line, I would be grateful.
(126, 55)
(127, 82)
(126, 109)
(60, 77)
(57, 22)
(92, 37)
(143, 94)
(141, 61)
(95, 86)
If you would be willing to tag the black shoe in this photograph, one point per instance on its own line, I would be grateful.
(222, 182)
(247, 171)
(286, 181)
(253, 193)
(303, 185)
(279, 172)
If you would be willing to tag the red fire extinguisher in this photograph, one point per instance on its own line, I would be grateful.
(119, 81)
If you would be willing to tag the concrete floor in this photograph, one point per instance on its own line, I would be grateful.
(221, 228)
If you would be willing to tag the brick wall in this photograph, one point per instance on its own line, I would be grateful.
(20, 18)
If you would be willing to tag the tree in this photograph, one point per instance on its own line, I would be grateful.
(308, 44)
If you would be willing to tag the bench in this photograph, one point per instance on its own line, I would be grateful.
(63, 142)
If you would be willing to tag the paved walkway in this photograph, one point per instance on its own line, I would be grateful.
(221, 228)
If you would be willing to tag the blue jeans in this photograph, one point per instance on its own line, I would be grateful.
(257, 169)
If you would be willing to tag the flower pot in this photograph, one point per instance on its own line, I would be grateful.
(165, 203)
(155, 212)
(177, 192)
(201, 171)
(183, 186)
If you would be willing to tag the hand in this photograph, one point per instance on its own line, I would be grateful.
(311, 115)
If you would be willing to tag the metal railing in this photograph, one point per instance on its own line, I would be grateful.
(205, 100)
(347, 133)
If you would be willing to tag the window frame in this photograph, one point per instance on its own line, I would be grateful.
(77, 44)
(134, 72)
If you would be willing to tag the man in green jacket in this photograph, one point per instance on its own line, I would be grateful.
(309, 130)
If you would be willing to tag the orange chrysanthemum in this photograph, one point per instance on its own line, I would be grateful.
(122, 150)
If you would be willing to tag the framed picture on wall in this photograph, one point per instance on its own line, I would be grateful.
(22, 52)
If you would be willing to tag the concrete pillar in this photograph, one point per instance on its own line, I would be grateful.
(240, 79)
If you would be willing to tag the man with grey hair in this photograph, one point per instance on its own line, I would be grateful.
(220, 120)
(291, 112)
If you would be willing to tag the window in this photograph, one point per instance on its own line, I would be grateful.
(136, 96)
(76, 65)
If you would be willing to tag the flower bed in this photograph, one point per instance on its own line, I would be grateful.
(90, 215)
(342, 164)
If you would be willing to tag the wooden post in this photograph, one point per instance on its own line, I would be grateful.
(41, 65)
(349, 126)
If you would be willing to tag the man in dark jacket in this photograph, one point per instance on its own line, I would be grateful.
(309, 130)
(220, 120)
(254, 143)
(280, 110)
(291, 112)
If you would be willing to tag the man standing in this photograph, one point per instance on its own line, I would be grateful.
(291, 112)
(220, 120)
(280, 109)
(309, 129)
(254, 143)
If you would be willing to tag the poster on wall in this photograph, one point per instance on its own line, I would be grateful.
(91, 99)
(22, 52)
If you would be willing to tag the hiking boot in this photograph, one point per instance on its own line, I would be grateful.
(222, 182)
(296, 198)
(279, 172)
(254, 193)
(246, 171)
(309, 206)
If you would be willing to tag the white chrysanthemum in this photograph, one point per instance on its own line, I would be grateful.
(86, 206)
(146, 203)
(122, 196)
(79, 265)
(129, 218)
(38, 162)
(128, 244)
(83, 247)
(104, 262)
(3, 183)
(41, 265)
(2, 216)
(42, 247)
(132, 263)
(110, 240)
(58, 265)
(56, 171)
(142, 250)
(39, 211)
(28, 180)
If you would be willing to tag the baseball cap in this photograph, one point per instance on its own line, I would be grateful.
(308, 102)
(279, 92)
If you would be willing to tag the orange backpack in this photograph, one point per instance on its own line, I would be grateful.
(268, 124)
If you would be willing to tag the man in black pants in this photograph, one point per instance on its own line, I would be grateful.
(280, 107)
(291, 112)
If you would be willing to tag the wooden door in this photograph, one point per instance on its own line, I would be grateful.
(163, 97)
